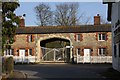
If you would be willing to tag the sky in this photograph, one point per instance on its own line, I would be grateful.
(89, 9)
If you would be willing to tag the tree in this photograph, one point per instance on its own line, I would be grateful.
(9, 24)
(43, 14)
(84, 19)
(66, 14)
(103, 20)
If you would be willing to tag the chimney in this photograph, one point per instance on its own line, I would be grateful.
(97, 20)
(22, 21)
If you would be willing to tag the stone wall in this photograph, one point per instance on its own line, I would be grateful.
(89, 40)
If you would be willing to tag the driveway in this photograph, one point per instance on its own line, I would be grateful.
(64, 71)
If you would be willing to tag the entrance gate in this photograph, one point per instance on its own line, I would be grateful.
(56, 54)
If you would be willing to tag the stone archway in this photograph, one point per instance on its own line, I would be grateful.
(52, 38)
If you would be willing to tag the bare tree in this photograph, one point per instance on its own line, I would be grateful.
(103, 20)
(84, 19)
(43, 14)
(66, 14)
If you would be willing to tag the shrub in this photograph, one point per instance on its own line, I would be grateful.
(7, 64)
(3, 64)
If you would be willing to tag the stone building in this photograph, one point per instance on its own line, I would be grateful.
(61, 43)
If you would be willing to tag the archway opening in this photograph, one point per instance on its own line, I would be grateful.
(54, 49)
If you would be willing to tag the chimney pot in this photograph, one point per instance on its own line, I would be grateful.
(97, 14)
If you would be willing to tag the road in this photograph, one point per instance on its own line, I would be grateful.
(64, 71)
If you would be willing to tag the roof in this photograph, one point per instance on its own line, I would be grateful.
(63, 29)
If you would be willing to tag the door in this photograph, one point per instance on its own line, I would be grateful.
(87, 55)
(22, 55)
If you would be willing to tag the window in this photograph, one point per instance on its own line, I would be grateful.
(30, 38)
(30, 52)
(9, 52)
(102, 51)
(78, 37)
(115, 50)
(102, 36)
(12, 51)
(78, 51)
(117, 31)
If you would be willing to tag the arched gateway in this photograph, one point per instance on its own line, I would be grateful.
(54, 49)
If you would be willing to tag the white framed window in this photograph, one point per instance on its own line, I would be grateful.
(12, 51)
(30, 38)
(30, 52)
(101, 37)
(78, 51)
(102, 51)
(9, 52)
(78, 37)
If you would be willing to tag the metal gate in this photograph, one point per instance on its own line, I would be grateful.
(56, 54)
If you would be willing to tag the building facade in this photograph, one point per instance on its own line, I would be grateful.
(61, 43)
(114, 17)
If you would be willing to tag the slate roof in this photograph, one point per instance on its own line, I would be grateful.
(63, 29)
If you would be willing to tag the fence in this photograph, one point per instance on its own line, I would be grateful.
(94, 59)
(77, 59)
(26, 59)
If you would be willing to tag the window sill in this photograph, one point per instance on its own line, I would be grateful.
(78, 41)
(101, 40)
(102, 55)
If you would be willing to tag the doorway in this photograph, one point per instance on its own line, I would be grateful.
(54, 49)
(87, 55)
(22, 55)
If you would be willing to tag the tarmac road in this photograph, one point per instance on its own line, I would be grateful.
(64, 71)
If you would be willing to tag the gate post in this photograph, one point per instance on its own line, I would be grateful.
(54, 54)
